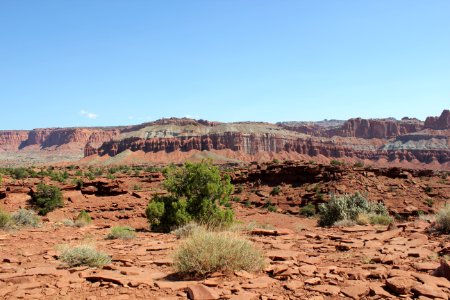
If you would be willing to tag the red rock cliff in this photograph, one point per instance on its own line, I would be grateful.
(361, 128)
(440, 123)
(12, 139)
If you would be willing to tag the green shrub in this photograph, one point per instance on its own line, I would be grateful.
(110, 177)
(90, 175)
(308, 210)
(25, 217)
(83, 219)
(347, 207)
(429, 202)
(137, 187)
(121, 232)
(335, 162)
(442, 223)
(59, 176)
(5, 219)
(380, 219)
(83, 255)
(236, 199)
(19, 173)
(205, 252)
(269, 206)
(47, 198)
(275, 191)
(197, 192)
(78, 182)
(358, 164)
(247, 203)
(272, 208)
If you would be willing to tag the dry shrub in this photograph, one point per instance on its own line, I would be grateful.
(121, 232)
(206, 251)
(82, 255)
(442, 223)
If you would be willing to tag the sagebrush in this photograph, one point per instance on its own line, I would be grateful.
(206, 251)
(83, 255)
(348, 207)
(121, 232)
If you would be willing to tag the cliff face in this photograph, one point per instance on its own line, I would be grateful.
(360, 128)
(12, 139)
(378, 139)
(439, 123)
(56, 137)
(254, 143)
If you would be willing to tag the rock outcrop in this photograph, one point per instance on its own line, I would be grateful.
(12, 139)
(359, 128)
(408, 139)
(440, 123)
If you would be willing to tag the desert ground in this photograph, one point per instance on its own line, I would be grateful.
(303, 260)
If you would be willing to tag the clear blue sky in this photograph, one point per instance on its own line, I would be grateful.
(93, 63)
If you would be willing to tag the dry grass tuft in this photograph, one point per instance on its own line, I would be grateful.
(206, 251)
(82, 255)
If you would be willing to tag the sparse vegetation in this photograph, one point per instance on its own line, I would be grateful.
(359, 164)
(25, 218)
(275, 191)
(308, 210)
(83, 219)
(442, 223)
(137, 187)
(335, 162)
(5, 219)
(110, 176)
(429, 202)
(47, 198)
(380, 219)
(20, 218)
(239, 189)
(82, 255)
(197, 192)
(205, 252)
(236, 199)
(348, 207)
(269, 206)
(186, 230)
(428, 189)
(121, 232)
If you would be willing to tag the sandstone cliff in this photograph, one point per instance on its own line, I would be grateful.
(359, 128)
(376, 139)
(440, 123)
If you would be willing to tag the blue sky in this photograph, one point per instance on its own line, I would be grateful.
(94, 63)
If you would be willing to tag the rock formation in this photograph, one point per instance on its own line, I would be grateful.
(361, 139)
(439, 123)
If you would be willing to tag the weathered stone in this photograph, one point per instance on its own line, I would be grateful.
(201, 292)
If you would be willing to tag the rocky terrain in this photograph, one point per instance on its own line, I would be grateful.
(407, 142)
(304, 261)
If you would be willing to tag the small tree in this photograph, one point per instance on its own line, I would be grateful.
(47, 198)
(197, 192)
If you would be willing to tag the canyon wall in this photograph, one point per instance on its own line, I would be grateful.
(374, 139)
(360, 128)
(48, 137)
